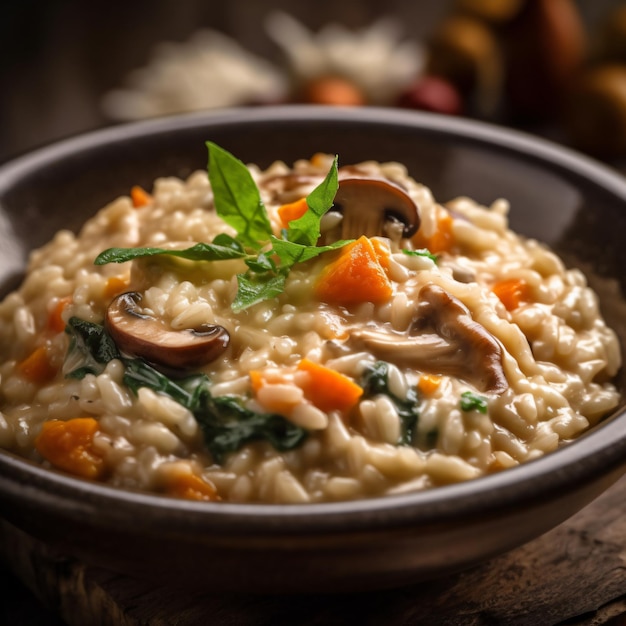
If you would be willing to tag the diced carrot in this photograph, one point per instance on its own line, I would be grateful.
(115, 286)
(36, 367)
(139, 196)
(56, 323)
(328, 389)
(292, 211)
(382, 253)
(428, 383)
(512, 292)
(355, 276)
(256, 380)
(69, 446)
(192, 487)
(441, 240)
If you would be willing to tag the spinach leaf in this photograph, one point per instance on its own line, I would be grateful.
(237, 198)
(89, 350)
(227, 426)
(375, 381)
(472, 401)
(225, 423)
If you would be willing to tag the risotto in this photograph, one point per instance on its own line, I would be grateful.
(311, 332)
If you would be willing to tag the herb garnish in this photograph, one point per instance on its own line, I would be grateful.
(375, 381)
(421, 252)
(238, 202)
(471, 401)
(225, 423)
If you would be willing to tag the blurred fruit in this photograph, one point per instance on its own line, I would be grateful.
(493, 11)
(431, 93)
(546, 46)
(464, 51)
(332, 90)
(612, 37)
(596, 114)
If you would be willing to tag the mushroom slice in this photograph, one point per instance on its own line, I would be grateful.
(443, 339)
(367, 203)
(144, 336)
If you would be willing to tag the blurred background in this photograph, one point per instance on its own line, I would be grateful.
(551, 67)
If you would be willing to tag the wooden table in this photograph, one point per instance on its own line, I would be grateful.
(574, 574)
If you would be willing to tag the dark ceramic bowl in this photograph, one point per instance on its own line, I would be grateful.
(569, 202)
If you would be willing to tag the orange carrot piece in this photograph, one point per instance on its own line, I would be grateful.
(328, 389)
(292, 211)
(512, 292)
(257, 380)
(56, 323)
(69, 446)
(139, 196)
(428, 383)
(355, 276)
(192, 487)
(382, 253)
(441, 240)
(36, 367)
(115, 286)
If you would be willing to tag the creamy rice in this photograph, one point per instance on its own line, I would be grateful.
(522, 363)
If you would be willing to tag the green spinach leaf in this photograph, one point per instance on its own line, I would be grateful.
(225, 423)
(471, 401)
(375, 381)
(89, 350)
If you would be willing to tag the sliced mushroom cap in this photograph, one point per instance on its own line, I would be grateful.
(443, 339)
(368, 203)
(144, 336)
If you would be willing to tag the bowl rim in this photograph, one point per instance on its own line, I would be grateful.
(604, 448)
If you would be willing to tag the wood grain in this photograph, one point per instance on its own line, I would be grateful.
(575, 573)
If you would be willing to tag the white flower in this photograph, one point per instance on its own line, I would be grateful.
(208, 71)
(373, 58)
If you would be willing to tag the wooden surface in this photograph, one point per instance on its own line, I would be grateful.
(575, 574)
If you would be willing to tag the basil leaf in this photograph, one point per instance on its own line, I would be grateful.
(198, 252)
(89, 350)
(471, 401)
(306, 229)
(423, 252)
(237, 198)
(261, 264)
(255, 288)
(291, 253)
(375, 381)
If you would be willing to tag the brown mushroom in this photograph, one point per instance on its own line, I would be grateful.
(368, 203)
(144, 336)
(443, 339)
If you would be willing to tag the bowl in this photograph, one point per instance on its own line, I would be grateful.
(564, 199)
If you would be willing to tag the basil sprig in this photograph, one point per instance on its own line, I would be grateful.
(238, 202)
